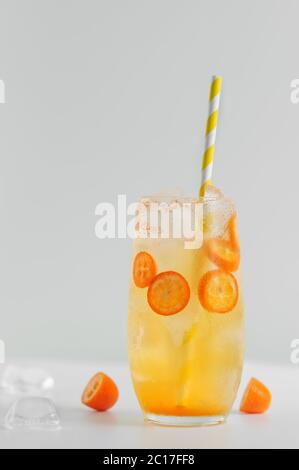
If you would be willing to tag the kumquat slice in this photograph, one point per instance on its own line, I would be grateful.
(233, 233)
(144, 269)
(223, 254)
(218, 291)
(169, 293)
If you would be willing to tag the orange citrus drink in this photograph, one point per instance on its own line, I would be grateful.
(186, 319)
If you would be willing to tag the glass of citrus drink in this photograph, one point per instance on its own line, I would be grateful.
(185, 332)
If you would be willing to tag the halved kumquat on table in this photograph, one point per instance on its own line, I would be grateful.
(256, 398)
(101, 392)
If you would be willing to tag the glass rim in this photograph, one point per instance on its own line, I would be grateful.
(175, 200)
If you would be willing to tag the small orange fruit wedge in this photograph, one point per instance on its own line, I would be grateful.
(233, 233)
(144, 269)
(256, 398)
(169, 293)
(223, 254)
(101, 392)
(218, 291)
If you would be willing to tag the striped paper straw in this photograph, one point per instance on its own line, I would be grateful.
(210, 138)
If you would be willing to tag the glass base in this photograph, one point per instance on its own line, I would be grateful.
(164, 420)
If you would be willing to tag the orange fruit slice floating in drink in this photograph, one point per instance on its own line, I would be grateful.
(218, 291)
(223, 254)
(144, 269)
(256, 398)
(101, 392)
(233, 233)
(169, 293)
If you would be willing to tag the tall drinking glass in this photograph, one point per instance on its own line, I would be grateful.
(186, 313)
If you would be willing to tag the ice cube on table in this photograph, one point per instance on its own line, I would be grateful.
(25, 380)
(32, 413)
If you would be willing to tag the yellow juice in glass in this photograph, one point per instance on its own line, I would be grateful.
(186, 320)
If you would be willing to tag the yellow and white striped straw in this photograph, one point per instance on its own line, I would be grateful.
(210, 137)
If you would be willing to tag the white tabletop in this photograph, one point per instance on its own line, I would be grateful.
(123, 426)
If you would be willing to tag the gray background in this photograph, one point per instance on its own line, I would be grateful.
(109, 97)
